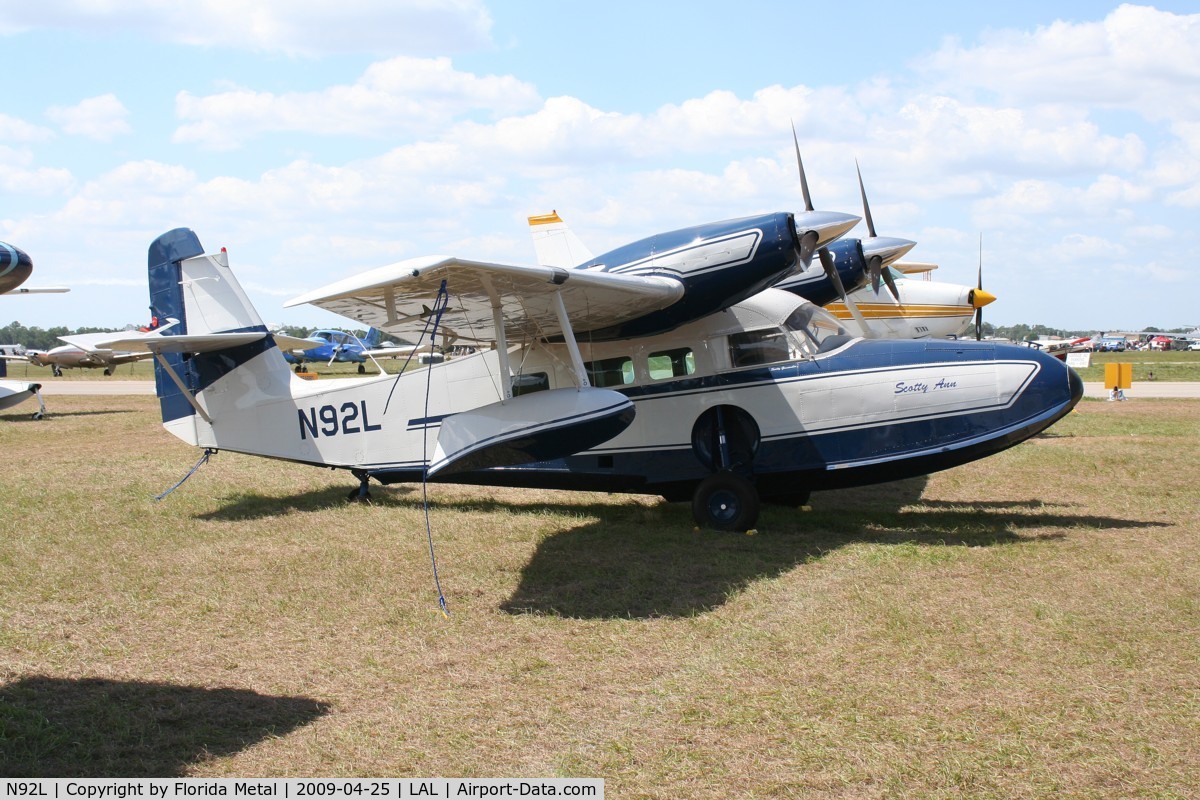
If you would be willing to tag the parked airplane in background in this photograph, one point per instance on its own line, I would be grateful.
(77, 355)
(1060, 348)
(334, 345)
(921, 310)
(666, 366)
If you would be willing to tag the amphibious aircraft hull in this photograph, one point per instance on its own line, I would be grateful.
(862, 415)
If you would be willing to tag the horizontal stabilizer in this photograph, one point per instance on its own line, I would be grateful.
(532, 427)
(150, 342)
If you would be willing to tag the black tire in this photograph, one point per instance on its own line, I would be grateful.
(362, 370)
(725, 501)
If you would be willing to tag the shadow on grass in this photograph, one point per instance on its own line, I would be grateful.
(57, 727)
(105, 412)
(636, 560)
(666, 568)
(52, 414)
(257, 505)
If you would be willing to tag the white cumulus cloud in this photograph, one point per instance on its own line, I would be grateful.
(398, 97)
(101, 118)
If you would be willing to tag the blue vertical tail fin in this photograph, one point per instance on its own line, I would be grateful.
(200, 292)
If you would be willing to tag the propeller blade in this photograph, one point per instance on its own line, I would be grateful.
(875, 270)
(836, 279)
(891, 284)
(831, 272)
(862, 190)
(806, 246)
(979, 286)
(808, 206)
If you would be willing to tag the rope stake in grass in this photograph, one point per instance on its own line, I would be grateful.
(208, 451)
(439, 306)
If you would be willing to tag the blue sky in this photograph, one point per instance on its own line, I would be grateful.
(316, 140)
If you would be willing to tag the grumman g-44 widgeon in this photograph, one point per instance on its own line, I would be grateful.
(668, 366)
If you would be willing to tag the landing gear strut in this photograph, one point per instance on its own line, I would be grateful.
(363, 493)
(725, 440)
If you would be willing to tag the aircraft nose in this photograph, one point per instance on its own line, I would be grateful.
(888, 248)
(978, 298)
(829, 225)
(1076, 384)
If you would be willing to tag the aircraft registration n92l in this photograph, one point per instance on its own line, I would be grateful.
(667, 366)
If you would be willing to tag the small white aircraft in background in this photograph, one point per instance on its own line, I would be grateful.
(921, 309)
(667, 366)
(77, 354)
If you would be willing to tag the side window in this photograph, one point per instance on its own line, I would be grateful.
(750, 348)
(610, 371)
(529, 383)
(675, 363)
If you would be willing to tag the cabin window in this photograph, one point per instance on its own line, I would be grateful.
(529, 383)
(610, 371)
(751, 348)
(676, 363)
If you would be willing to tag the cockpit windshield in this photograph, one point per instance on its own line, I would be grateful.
(818, 330)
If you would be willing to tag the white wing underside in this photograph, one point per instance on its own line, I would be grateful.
(398, 298)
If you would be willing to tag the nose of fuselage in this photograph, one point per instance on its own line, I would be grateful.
(1076, 384)
(1060, 384)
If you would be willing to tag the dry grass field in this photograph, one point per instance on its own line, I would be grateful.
(1024, 626)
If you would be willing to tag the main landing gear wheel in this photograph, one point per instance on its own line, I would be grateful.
(725, 501)
(362, 370)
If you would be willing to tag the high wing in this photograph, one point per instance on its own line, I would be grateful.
(398, 298)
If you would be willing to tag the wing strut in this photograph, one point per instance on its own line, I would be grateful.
(502, 350)
(187, 393)
(581, 379)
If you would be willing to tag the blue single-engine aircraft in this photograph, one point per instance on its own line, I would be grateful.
(668, 366)
(329, 346)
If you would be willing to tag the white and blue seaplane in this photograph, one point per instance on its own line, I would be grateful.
(668, 366)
